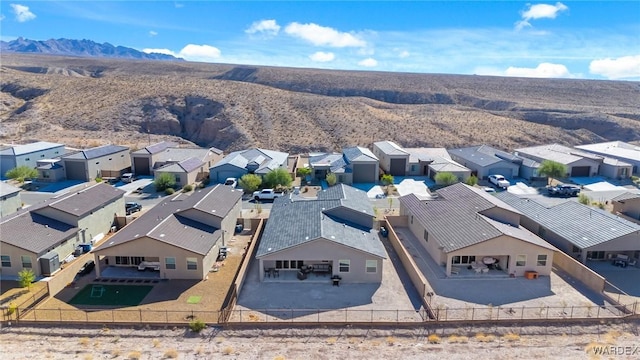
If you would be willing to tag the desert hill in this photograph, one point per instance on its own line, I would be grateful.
(88, 101)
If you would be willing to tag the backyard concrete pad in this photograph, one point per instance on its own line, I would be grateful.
(626, 279)
(411, 186)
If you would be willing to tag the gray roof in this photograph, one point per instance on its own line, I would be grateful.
(485, 155)
(175, 154)
(334, 161)
(456, 218)
(559, 153)
(96, 152)
(156, 148)
(185, 166)
(33, 232)
(626, 196)
(50, 166)
(618, 149)
(169, 222)
(442, 164)
(29, 148)
(359, 153)
(293, 222)
(8, 189)
(266, 160)
(581, 225)
(426, 154)
(390, 148)
(84, 201)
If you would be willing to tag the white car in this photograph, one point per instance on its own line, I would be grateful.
(499, 181)
(233, 182)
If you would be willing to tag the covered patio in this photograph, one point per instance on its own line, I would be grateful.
(465, 265)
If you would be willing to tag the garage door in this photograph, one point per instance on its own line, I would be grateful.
(506, 172)
(141, 165)
(75, 170)
(580, 171)
(223, 175)
(364, 173)
(398, 167)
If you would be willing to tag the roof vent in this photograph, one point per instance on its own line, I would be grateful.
(161, 235)
(333, 237)
(306, 238)
(45, 225)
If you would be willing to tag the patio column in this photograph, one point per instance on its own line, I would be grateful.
(261, 270)
(97, 261)
(448, 271)
(583, 256)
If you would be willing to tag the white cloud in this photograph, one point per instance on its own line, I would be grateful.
(266, 27)
(153, 33)
(368, 62)
(540, 11)
(322, 56)
(191, 52)
(323, 36)
(178, 5)
(22, 13)
(1, 17)
(404, 54)
(543, 70)
(626, 67)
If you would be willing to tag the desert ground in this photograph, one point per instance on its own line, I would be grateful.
(579, 341)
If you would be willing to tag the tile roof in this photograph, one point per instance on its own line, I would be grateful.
(33, 232)
(626, 196)
(86, 200)
(426, 154)
(358, 153)
(29, 148)
(170, 217)
(335, 161)
(390, 148)
(441, 164)
(8, 189)
(482, 155)
(294, 222)
(456, 220)
(559, 153)
(579, 224)
(96, 152)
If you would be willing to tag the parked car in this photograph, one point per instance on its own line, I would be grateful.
(233, 182)
(563, 190)
(127, 178)
(499, 181)
(132, 207)
(267, 194)
(87, 268)
(489, 189)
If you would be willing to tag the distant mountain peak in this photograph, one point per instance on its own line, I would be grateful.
(81, 48)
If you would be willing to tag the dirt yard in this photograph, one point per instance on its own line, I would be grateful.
(534, 342)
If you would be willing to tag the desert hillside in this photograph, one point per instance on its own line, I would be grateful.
(86, 102)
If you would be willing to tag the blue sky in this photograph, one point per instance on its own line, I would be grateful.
(568, 39)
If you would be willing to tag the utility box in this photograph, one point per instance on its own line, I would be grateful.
(49, 263)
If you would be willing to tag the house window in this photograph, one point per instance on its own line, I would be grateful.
(178, 179)
(521, 260)
(122, 260)
(170, 263)
(372, 266)
(542, 260)
(576, 249)
(27, 159)
(344, 265)
(192, 264)
(595, 255)
(426, 236)
(459, 260)
(340, 179)
(6, 260)
(45, 174)
(26, 262)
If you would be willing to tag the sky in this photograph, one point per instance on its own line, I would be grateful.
(568, 39)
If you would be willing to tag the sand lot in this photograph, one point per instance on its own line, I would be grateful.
(552, 342)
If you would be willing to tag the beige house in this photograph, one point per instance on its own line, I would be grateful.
(10, 201)
(182, 235)
(333, 234)
(466, 227)
(432, 161)
(394, 160)
(101, 161)
(145, 161)
(42, 236)
(627, 204)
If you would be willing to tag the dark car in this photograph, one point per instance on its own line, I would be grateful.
(132, 207)
(87, 268)
(564, 190)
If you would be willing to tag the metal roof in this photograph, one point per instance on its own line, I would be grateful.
(8, 189)
(96, 152)
(559, 153)
(86, 200)
(293, 222)
(155, 148)
(581, 225)
(358, 153)
(29, 148)
(184, 166)
(626, 196)
(390, 148)
(617, 149)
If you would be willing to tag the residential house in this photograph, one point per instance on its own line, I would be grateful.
(147, 160)
(50, 170)
(393, 159)
(432, 161)
(618, 150)
(101, 161)
(182, 235)
(253, 161)
(322, 164)
(10, 201)
(333, 232)
(627, 204)
(579, 163)
(28, 154)
(356, 164)
(41, 236)
(187, 165)
(485, 160)
(143, 161)
(581, 231)
(464, 225)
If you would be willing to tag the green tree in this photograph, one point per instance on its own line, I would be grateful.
(303, 171)
(21, 173)
(446, 178)
(387, 179)
(552, 169)
(584, 199)
(164, 181)
(331, 179)
(471, 180)
(26, 277)
(278, 177)
(250, 182)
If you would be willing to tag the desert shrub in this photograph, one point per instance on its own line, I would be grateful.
(250, 182)
(197, 325)
(187, 188)
(471, 180)
(169, 191)
(98, 179)
(387, 179)
(391, 340)
(156, 342)
(583, 199)
(84, 341)
(511, 337)
(21, 173)
(434, 339)
(278, 177)
(26, 277)
(331, 179)
(458, 339)
(446, 178)
(227, 350)
(164, 181)
(134, 355)
(171, 354)
(13, 307)
(303, 171)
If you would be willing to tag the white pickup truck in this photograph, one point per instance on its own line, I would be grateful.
(267, 194)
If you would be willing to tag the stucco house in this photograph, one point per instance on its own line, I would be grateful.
(582, 232)
(485, 160)
(627, 204)
(393, 159)
(182, 235)
(101, 161)
(618, 150)
(463, 226)
(252, 161)
(10, 201)
(432, 161)
(355, 164)
(43, 235)
(50, 170)
(147, 160)
(186, 172)
(333, 232)
(28, 154)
